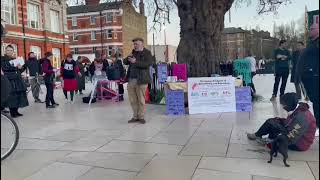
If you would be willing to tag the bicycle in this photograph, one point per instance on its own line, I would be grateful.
(9, 135)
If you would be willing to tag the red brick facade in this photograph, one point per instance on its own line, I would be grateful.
(41, 37)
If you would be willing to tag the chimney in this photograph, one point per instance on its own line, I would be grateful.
(92, 2)
(141, 7)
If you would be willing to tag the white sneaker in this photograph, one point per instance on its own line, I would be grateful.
(72, 102)
(317, 133)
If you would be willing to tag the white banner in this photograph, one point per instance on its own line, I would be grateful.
(211, 95)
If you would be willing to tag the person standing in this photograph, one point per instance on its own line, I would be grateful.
(69, 71)
(253, 63)
(308, 70)
(138, 75)
(48, 76)
(81, 79)
(34, 67)
(117, 66)
(281, 67)
(18, 92)
(261, 66)
(295, 58)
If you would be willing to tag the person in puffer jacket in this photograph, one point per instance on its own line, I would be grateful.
(300, 125)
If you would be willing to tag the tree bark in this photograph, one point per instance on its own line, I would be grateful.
(201, 22)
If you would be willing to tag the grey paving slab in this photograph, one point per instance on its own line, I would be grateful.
(107, 174)
(202, 174)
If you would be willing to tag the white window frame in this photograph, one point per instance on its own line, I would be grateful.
(93, 35)
(36, 50)
(114, 19)
(76, 50)
(108, 33)
(56, 61)
(110, 49)
(33, 16)
(74, 21)
(94, 49)
(4, 45)
(75, 36)
(93, 20)
(9, 8)
(108, 15)
(115, 35)
(55, 21)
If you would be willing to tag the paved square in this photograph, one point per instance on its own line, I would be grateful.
(75, 142)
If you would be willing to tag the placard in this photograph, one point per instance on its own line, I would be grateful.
(243, 99)
(162, 73)
(180, 70)
(211, 95)
(243, 67)
(175, 102)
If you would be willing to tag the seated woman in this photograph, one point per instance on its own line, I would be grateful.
(300, 125)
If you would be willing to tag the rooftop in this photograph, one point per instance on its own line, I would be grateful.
(93, 8)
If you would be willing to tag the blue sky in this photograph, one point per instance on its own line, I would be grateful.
(242, 17)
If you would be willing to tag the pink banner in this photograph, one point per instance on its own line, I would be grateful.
(180, 70)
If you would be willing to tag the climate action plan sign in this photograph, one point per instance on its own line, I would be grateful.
(211, 95)
(243, 67)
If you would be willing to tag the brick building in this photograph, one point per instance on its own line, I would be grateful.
(237, 42)
(102, 28)
(36, 25)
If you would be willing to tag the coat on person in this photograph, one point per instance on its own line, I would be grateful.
(81, 79)
(69, 71)
(18, 94)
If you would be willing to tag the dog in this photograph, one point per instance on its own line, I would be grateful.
(280, 144)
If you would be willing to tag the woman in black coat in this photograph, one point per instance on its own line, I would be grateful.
(18, 94)
(81, 80)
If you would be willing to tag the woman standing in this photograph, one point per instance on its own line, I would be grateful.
(69, 71)
(117, 65)
(18, 93)
(81, 79)
(48, 76)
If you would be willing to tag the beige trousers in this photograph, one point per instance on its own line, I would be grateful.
(137, 98)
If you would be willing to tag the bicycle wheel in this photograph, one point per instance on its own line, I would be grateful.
(9, 135)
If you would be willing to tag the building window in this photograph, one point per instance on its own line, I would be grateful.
(36, 50)
(109, 17)
(109, 34)
(75, 36)
(55, 23)
(33, 16)
(110, 49)
(76, 50)
(56, 61)
(115, 35)
(8, 11)
(93, 35)
(93, 19)
(74, 21)
(4, 45)
(94, 49)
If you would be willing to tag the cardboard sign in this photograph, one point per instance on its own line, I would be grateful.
(243, 67)
(175, 102)
(162, 73)
(243, 99)
(211, 95)
(180, 70)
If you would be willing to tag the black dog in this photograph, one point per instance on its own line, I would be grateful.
(280, 144)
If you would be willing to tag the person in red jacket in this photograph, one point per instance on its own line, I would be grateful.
(69, 71)
(300, 124)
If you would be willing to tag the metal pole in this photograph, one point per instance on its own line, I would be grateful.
(24, 33)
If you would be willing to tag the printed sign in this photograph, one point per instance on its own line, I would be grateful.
(243, 99)
(211, 95)
(162, 73)
(175, 102)
(243, 67)
(180, 70)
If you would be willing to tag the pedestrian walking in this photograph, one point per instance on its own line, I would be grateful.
(295, 58)
(281, 66)
(69, 72)
(308, 70)
(48, 76)
(18, 92)
(81, 79)
(138, 76)
(34, 68)
(253, 63)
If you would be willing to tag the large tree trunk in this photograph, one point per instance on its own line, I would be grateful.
(202, 22)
